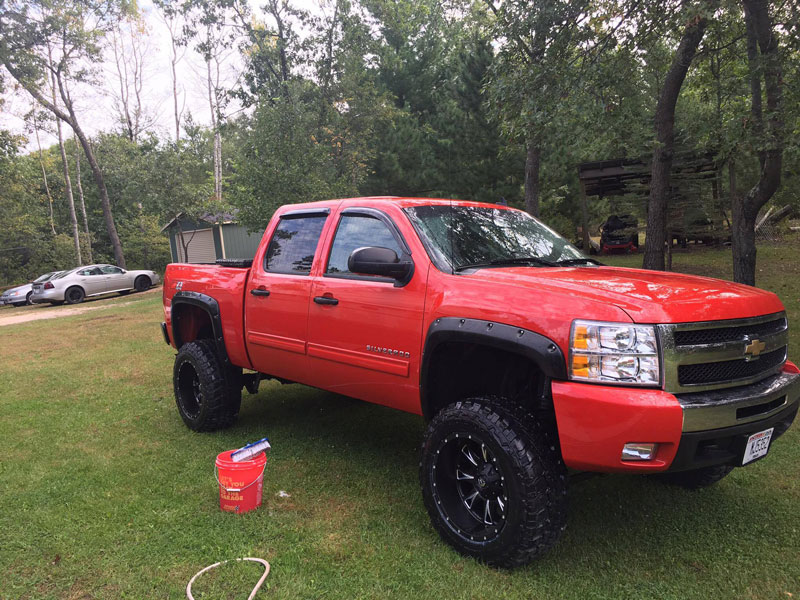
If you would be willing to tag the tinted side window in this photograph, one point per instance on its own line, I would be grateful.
(108, 270)
(357, 231)
(293, 245)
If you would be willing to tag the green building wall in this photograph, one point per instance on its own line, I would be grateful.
(239, 243)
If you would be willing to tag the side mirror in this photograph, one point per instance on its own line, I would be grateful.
(374, 260)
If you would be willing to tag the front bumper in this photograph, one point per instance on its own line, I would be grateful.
(12, 300)
(691, 430)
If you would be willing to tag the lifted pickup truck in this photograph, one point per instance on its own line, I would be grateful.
(525, 357)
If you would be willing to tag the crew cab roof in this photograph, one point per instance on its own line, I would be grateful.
(377, 201)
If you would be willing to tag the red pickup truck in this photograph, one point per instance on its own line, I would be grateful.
(525, 357)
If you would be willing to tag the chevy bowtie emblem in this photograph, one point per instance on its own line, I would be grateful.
(753, 349)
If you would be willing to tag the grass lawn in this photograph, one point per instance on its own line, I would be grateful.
(104, 493)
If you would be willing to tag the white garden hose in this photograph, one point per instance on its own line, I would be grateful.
(209, 567)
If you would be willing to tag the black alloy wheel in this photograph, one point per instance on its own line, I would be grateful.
(208, 393)
(470, 486)
(190, 396)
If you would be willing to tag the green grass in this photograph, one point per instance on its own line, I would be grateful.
(106, 494)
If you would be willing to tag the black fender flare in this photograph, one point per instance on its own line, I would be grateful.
(541, 350)
(210, 306)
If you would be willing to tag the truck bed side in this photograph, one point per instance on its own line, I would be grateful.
(186, 321)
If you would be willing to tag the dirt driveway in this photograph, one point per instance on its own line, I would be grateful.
(36, 313)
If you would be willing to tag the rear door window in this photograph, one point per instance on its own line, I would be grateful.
(294, 244)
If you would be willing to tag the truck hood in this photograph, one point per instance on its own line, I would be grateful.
(647, 296)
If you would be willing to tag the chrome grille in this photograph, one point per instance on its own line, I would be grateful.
(728, 370)
(718, 335)
(711, 355)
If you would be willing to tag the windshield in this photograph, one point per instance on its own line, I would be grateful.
(479, 236)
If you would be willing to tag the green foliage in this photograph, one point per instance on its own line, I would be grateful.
(406, 97)
(281, 161)
(145, 246)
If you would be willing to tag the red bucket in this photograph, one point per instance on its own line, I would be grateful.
(240, 483)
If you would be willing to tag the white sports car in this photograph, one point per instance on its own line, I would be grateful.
(91, 280)
(21, 295)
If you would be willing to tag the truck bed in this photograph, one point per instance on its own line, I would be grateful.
(224, 284)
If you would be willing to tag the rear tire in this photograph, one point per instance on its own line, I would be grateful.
(696, 478)
(207, 392)
(493, 482)
(142, 283)
(74, 295)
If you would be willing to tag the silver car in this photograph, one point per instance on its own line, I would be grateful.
(91, 280)
(21, 295)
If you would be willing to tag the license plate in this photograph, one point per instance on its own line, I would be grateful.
(757, 445)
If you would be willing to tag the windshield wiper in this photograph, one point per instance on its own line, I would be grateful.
(516, 260)
(577, 261)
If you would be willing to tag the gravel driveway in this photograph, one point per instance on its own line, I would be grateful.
(36, 313)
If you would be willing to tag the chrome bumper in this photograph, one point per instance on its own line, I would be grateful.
(704, 411)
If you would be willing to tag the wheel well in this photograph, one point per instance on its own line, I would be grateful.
(73, 287)
(460, 370)
(145, 276)
(190, 323)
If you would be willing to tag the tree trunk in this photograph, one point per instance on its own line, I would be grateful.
(173, 62)
(533, 159)
(182, 238)
(217, 137)
(661, 167)
(743, 238)
(44, 173)
(71, 119)
(105, 203)
(744, 210)
(80, 197)
(73, 220)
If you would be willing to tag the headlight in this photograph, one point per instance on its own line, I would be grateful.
(614, 352)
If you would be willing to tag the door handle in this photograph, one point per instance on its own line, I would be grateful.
(259, 292)
(326, 300)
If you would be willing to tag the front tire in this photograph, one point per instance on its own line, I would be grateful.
(493, 482)
(142, 283)
(207, 392)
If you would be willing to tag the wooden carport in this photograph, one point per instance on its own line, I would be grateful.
(631, 177)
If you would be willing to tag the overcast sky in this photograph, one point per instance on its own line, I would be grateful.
(96, 109)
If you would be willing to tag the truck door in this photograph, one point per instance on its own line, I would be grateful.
(365, 332)
(277, 296)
